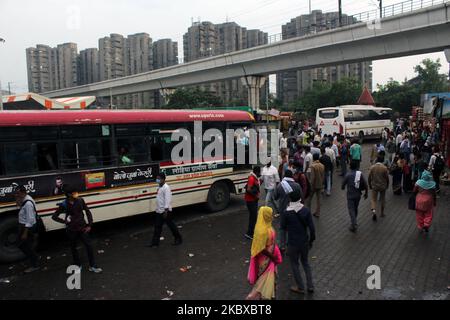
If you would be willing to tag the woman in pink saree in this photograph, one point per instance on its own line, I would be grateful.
(265, 258)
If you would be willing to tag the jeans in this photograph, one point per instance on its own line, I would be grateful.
(159, 222)
(253, 215)
(74, 236)
(343, 166)
(352, 205)
(300, 253)
(26, 246)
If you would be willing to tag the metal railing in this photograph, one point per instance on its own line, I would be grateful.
(367, 16)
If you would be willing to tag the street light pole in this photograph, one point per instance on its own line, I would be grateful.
(381, 8)
(340, 13)
(1, 95)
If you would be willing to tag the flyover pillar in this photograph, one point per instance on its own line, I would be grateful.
(253, 84)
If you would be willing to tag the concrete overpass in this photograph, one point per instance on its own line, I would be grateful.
(422, 31)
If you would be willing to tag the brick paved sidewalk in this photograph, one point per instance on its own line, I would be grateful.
(413, 266)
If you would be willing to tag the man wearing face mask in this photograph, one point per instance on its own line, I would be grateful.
(77, 229)
(164, 212)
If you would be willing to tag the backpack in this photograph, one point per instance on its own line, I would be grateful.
(39, 226)
(439, 164)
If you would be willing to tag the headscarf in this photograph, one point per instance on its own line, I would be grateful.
(426, 181)
(262, 230)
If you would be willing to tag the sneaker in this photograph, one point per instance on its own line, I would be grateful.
(31, 269)
(352, 229)
(248, 237)
(374, 216)
(95, 270)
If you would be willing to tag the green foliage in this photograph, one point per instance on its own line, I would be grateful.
(323, 94)
(402, 96)
(188, 98)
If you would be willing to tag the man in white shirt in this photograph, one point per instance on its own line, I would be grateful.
(308, 160)
(164, 212)
(270, 179)
(27, 220)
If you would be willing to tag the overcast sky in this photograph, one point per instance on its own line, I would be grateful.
(25, 23)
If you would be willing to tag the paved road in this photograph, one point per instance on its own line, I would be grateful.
(413, 266)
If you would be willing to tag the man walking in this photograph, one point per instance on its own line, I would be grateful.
(164, 212)
(77, 229)
(27, 221)
(355, 183)
(270, 178)
(301, 234)
(378, 183)
(355, 153)
(317, 179)
(281, 194)
(436, 166)
(344, 157)
(328, 164)
(252, 193)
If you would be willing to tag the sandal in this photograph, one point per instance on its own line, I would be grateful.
(297, 290)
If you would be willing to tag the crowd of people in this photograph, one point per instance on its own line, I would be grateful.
(308, 162)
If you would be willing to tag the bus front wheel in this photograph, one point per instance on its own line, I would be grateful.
(9, 252)
(218, 197)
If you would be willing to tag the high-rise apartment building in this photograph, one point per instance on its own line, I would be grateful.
(88, 66)
(42, 67)
(165, 53)
(205, 39)
(52, 68)
(67, 65)
(112, 57)
(291, 85)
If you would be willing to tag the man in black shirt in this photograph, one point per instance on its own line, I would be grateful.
(76, 226)
(297, 222)
(328, 164)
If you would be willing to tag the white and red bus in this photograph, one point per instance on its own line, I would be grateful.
(112, 158)
(356, 121)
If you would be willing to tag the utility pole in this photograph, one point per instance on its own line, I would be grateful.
(340, 13)
(9, 88)
(310, 7)
(381, 8)
(1, 97)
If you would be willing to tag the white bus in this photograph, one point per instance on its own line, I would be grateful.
(112, 158)
(354, 120)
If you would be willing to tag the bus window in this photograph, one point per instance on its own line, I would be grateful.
(87, 131)
(47, 158)
(329, 114)
(161, 147)
(2, 169)
(86, 154)
(20, 158)
(132, 150)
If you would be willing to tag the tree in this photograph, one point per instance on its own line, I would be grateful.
(430, 78)
(322, 94)
(402, 96)
(188, 98)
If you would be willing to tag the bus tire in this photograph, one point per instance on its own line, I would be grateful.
(9, 252)
(218, 197)
(361, 137)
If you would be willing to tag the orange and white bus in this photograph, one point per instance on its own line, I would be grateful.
(112, 158)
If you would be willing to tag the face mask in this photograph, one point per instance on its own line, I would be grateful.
(158, 181)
